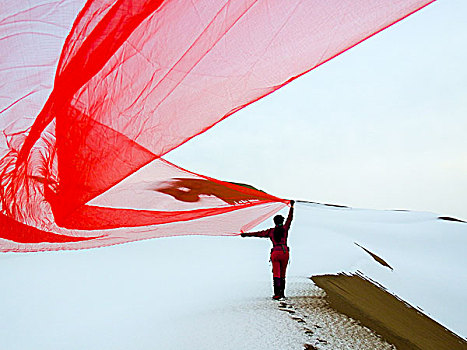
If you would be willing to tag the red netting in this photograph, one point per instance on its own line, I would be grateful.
(93, 94)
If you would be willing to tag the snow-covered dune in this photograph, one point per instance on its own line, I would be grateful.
(426, 254)
(214, 292)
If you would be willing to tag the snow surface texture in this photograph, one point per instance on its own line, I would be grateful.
(214, 292)
(427, 255)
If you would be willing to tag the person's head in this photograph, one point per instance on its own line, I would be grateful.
(278, 220)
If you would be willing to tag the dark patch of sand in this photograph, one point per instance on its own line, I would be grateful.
(326, 328)
(395, 320)
(376, 257)
(448, 218)
(245, 185)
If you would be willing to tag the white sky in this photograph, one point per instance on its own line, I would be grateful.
(382, 126)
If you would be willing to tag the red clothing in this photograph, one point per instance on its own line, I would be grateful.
(280, 250)
(269, 233)
(279, 260)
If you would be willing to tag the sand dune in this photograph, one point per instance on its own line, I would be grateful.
(389, 316)
(214, 292)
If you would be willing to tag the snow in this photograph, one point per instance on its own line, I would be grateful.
(172, 293)
(214, 292)
(427, 255)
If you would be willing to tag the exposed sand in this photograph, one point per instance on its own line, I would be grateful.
(392, 318)
(448, 218)
(326, 328)
(375, 257)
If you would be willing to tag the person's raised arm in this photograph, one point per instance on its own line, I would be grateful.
(290, 216)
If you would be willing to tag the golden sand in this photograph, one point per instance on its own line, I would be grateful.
(395, 320)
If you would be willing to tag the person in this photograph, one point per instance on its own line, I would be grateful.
(280, 250)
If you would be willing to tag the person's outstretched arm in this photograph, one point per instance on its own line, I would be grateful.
(261, 234)
(290, 216)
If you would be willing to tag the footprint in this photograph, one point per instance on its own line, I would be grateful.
(288, 310)
(298, 319)
(309, 347)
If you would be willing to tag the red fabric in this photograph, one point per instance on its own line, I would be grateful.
(280, 260)
(269, 233)
(94, 93)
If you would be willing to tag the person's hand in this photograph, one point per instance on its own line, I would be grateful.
(292, 202)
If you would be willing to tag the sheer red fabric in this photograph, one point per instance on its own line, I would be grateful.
(94, 93)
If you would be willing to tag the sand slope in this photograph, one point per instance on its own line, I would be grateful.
(398, 322)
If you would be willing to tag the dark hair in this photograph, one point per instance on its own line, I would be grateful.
(279, 229)
(278, 220)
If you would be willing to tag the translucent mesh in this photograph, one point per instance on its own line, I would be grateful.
(94, 93)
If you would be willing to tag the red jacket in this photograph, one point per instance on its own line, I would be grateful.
(269, 233)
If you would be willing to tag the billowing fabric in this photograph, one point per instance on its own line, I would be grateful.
(93, 94)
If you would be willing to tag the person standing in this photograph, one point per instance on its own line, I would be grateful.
(280, 250)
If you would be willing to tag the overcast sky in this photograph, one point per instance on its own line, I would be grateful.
(382, 126)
